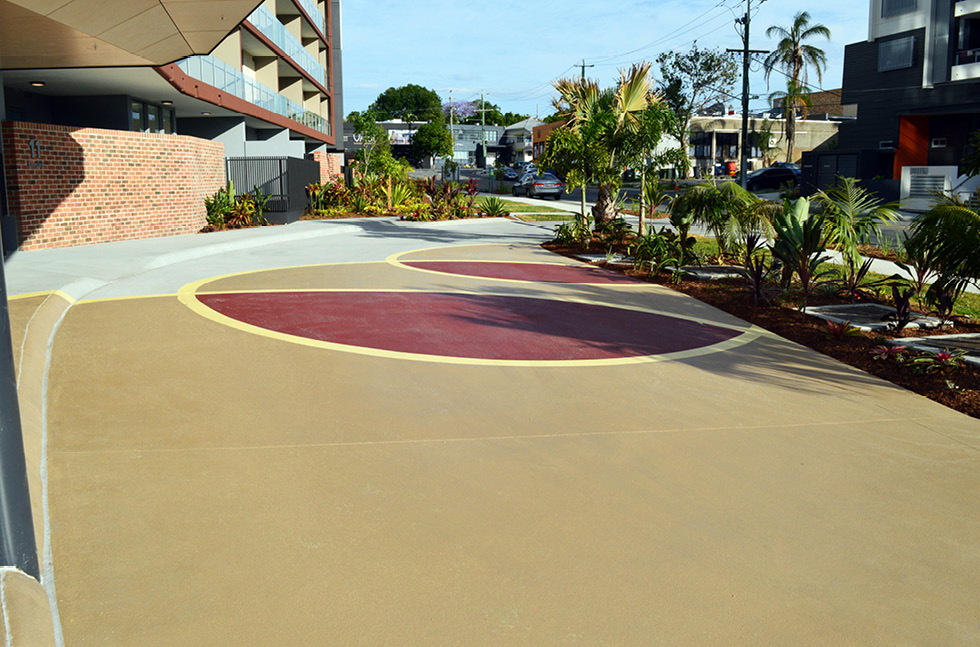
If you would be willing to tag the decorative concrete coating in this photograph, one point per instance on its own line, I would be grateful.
(469, 325)
(210, 486)
(537, 272)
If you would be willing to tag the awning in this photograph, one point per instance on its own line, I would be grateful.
(37, 34)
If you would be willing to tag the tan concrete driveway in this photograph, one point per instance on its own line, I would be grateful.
(220, 483)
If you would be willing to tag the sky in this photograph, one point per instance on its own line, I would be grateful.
(513, 50)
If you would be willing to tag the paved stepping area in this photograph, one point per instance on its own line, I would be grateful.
(869, 316)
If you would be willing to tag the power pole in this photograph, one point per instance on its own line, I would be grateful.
(583, 66)
(452, 137)
(746, 53)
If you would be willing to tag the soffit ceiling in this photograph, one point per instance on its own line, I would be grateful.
(37, 34)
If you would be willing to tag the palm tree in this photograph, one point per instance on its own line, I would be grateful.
(604, 131)
(794, 56)
(950, 230)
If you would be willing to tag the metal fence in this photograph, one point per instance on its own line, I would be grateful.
(283, 178)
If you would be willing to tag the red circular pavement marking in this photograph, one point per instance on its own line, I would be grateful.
(468, 326)
(539, 272)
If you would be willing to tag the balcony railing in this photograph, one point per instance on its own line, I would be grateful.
(314, 13)
(226, 78)
(267, 23)
(967, 57)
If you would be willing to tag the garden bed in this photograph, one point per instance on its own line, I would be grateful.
(960, 390)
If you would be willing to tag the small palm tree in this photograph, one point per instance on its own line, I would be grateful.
(853, 216)
(604, 129)
(728, 211)
(951, 231)
(795, 56)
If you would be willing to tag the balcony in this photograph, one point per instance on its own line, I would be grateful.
(226, 78)
(319, 21)
(267, 23)
(966, 8)
(966, 65)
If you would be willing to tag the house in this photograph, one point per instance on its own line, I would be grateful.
(269, 87)
(518, 139)
(916, 84)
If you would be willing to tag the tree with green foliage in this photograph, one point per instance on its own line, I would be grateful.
(604, 131)
(411, 99)
(433, 140)
(375, 153)
(795, 57)
(690, 83)
(765, 141)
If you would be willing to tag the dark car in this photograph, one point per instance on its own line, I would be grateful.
(539, 186)
(793, 167)
(772, 178)
(509, 174)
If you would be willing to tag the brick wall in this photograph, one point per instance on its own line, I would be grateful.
(330, 164)
(76, 186)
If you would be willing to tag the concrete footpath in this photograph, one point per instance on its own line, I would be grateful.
(371, 432)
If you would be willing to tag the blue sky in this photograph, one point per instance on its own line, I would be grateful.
(512, 50)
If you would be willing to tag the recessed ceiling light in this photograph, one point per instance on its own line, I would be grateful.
(205, 113)
(167, 103)
(37, 84)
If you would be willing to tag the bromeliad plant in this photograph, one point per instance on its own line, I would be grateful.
(799, 245)
(840, 330)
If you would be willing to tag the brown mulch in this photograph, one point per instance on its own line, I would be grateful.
(788, 322)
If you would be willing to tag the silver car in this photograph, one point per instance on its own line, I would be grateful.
(539, 186)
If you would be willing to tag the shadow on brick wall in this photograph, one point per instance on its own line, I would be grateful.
(43, 167)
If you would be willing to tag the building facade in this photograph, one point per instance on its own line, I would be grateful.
(916, 82)
(270, 88)
(715, 141)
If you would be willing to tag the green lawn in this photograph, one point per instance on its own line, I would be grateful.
(520, 207)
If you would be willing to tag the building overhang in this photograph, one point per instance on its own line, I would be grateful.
(45, 34)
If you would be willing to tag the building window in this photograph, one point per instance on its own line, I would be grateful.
(701, 145)
(169, 121)
(152, 119)
(895, 54)
(138, 111)
(891, 8)
(939, 142)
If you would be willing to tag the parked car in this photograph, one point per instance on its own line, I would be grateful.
(791, 166)
(539, 186)
(509, 174)
(771, 178)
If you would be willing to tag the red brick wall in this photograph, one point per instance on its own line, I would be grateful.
(74, 186)
(330, 164)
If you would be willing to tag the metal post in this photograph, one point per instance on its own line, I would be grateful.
(17, 545)
(744, 149)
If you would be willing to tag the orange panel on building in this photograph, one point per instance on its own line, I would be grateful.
(913, 144)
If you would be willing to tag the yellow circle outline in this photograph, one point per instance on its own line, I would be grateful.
(188, 293)
(395, 260)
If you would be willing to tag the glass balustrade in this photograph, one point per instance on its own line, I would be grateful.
(267, 23)
(226, 78)
(314, 13)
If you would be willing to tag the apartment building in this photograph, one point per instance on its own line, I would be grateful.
(270, 88)
(916, 82)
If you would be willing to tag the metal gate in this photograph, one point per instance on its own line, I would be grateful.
(283, 178)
